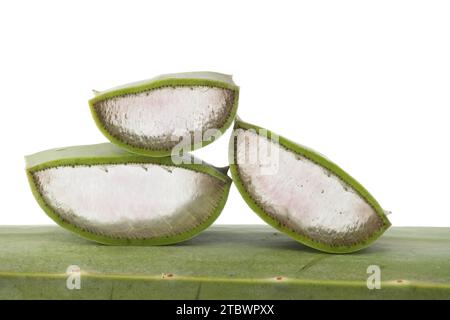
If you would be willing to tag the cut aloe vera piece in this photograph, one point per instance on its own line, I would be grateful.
(106, 194)
(185, 110)
(301, 193)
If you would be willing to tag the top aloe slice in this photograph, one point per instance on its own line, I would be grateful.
(152, 117)
(302, 193)
(111, 196)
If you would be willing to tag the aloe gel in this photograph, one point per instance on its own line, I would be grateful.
(302, 193)
(109, 195)
(152, 117)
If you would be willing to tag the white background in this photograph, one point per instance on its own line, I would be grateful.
(366, 83)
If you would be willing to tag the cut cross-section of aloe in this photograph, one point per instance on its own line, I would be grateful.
(152, 117)
(302, 193)
(115, 197)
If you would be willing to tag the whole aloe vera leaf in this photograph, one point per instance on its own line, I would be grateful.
(223, 262)
(306, 196)
(186, 110)
(108, 195)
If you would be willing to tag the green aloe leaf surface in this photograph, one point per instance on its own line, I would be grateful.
(223, 262)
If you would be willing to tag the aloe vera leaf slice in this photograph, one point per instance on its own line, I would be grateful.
(152, 117)
(111, 196)
(306, 196)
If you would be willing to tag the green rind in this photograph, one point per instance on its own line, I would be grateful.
(224, 262)
(109, 154)
(320, 160)
(214, 80)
